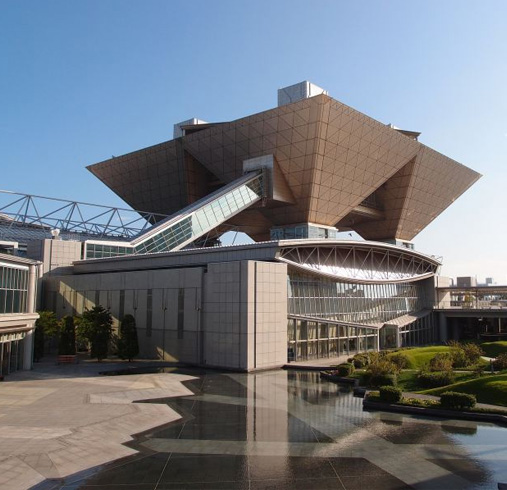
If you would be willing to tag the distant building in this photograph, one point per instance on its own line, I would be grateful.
(466, 282)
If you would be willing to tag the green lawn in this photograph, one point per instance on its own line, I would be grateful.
(418, 356)
(488, 389)
(492, 349)
(407, 379)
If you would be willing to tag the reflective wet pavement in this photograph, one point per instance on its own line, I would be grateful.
(290, 430)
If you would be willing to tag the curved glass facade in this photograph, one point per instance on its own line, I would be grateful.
(324, 316)
(350, 302)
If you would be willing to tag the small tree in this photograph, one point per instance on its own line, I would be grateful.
(96, 327)
(128, 346)
(67, 340)
(464, 354)
(473, 352)
(46, 326)
(441, 361)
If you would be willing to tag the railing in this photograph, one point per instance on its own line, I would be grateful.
(474, 304)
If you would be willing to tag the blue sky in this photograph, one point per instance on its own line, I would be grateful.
(83, 80)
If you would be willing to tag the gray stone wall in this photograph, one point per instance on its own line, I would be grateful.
(230, 315)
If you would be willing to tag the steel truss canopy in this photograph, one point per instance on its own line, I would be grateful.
(28, 216)
(359, 262)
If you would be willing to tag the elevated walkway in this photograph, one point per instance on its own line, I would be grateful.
(189, 224)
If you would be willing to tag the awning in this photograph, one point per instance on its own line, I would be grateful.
(404, 320)
(374, 326)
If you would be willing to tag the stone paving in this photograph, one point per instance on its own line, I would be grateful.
(66, 428)
(59, 420)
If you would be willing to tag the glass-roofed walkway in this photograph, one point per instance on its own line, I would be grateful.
(189, 224)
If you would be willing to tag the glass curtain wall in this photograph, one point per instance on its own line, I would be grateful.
(325, 299)
(421, 331)
(308, 339)
(349, 302)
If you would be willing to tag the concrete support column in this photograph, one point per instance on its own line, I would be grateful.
(40, 287)
(32, 289)
(442, 326)
(30, 308)
(28, 350)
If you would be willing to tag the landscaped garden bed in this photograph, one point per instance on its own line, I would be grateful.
(431, 370)
(450, 404)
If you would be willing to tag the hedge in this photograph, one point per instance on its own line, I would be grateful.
(457, 401)
(435, 380)
(376, 380)
(390, 394)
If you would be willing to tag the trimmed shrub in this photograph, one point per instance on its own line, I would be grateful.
(360, 361)
(435, 379)
(442, 361)
(399, 360)
(345, 369)
(373, 396)
(376, 380)
(457, 401)
(500, 363)
(390, 394)
(382, 366)
(128, 345)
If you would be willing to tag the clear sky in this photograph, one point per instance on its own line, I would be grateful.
(82, 80)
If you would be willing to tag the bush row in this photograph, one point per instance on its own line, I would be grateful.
(376, 380)
(435, 379)
(457, 401)
(450, 399)
(390, 394)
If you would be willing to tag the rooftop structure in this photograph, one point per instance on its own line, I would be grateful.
(332, 166)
